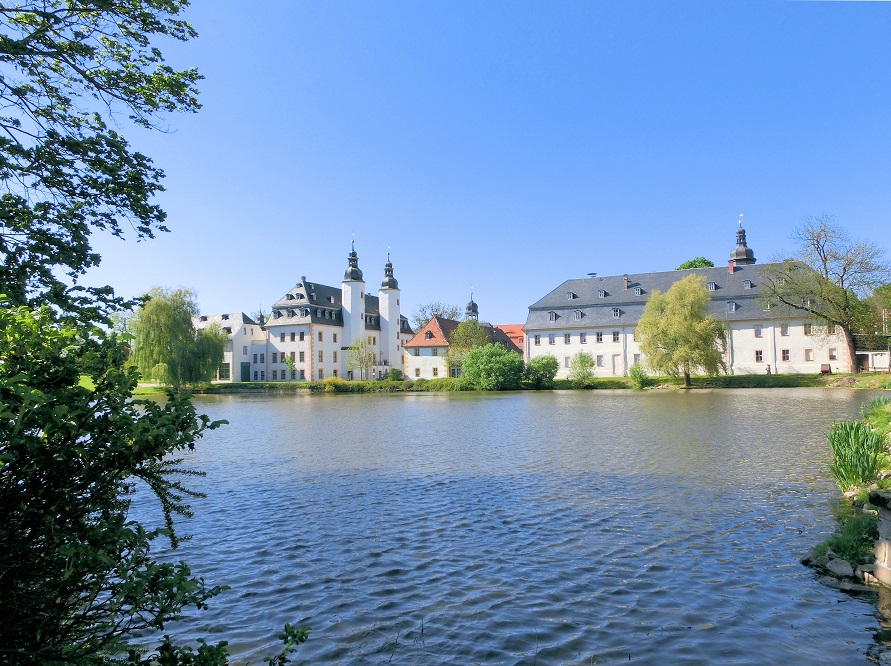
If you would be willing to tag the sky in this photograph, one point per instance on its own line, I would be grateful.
(505, 147)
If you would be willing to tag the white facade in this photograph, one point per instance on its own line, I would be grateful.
(243, 334)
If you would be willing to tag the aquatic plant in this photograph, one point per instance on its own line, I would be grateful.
(858, 454)
(854, 538)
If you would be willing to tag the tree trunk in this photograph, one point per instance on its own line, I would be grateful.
(852, 349)
(686, 379)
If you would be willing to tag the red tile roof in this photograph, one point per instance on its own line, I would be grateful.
(440, 329)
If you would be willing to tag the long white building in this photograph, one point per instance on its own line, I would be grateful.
(599, 315)
(311, 328)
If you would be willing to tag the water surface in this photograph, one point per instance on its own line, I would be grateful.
(520, 528)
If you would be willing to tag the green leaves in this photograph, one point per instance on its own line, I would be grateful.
(493, 368)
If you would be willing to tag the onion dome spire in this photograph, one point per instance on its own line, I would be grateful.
(472, 311)
(742, 254)
(352, 272)
(389, 281)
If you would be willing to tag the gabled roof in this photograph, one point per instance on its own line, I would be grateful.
(441, 329)
(222, 320)
(591, 302)
(513, 331)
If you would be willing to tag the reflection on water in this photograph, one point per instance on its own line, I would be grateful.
(549, 528)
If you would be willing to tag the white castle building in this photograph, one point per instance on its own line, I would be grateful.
(311, 328)
(598, 315)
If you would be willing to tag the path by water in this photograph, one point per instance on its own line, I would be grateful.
(524, 528)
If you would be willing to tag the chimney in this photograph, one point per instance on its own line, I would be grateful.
(627, 281)
(731, 266)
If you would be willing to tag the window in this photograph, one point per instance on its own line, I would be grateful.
(537, 340)
(262, 375)
(616, 313)
(583, 338)
(435, 351)
(293, 374)
(598, 336)
(224, 371)
(225, 316)
(570, 295)
(282, 337)
(552, 316)
(768, 306)
(566, 361)
(638, 291)
(275, 357)
(203, 317)
(373, 340)
(784, 354)
(567, 338)
(417, 352)
(830, 329)
(293, 356)
(615, 336)
(577, 315)
(244, 351)
(808, 354)
(731, 307)
(833, 354)
(781, 281)
(303, 375)
(552, 339)
(321, 336)
(428, 335)
(601, 293)
(302, 357)
(301, 336)
(255, 375)
(784, 329)
(637, 359)
(255, 358)
(321, 356)
(275, 375)
(334, 357)
(334, 337)
(262, 358)
(293, 336)
(808, 329)
(712, 286)
(759, 356)
(599, 361)
(747, 284)
(335, 372)
(757, 330)
(417, 372)
(321, 374)
(436, 372)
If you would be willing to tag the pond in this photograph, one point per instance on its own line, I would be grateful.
(523, 528)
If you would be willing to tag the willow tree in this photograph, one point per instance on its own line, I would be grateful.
(677, 335)
(166, 347)
(830, 278)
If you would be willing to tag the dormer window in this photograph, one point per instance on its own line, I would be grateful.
(227, 330)
(203, 317)
(601, 293)
(712, 286)
(731, 307)
(225, 316)
(290, 297)
(638, 291)
(552, 316)
(312, 297)
(616, 313)
(298, 296)
(570, 295)
(577, 314)
(305, 312)
(428, 335)
(747, 284)
(331, 299)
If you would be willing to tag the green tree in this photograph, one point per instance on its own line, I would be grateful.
(79, 578)
(361, 356)
(493, 368)
(424, 312)
(676, 333)
(582, 369)
(541, 371)
(72, 72)
(467, 335)
(830, 279)
(698, 262)
(166, 346)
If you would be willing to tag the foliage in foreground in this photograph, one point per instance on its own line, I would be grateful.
(858, 454)
(541, 370)
(854, 537)
(638, 376)
(582, 370)
(79, 577)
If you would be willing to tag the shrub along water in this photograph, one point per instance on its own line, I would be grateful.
(859, 454)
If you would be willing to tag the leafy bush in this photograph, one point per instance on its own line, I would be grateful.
(394, 375)
(858, 452)
(639, 377)
(582, 369)
(854, 537)
(541, 371)
(493, 368)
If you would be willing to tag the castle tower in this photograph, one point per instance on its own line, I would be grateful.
(742, 255)
(388, 298)
(353, 300)
(472, 310)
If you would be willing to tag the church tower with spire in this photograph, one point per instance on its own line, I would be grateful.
(742, 255)
(472, 311)
(388, 299)
(353, 300)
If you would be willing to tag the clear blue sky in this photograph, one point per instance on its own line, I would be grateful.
(509, 146)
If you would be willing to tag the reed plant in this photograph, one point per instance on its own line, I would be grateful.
(858, 454)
